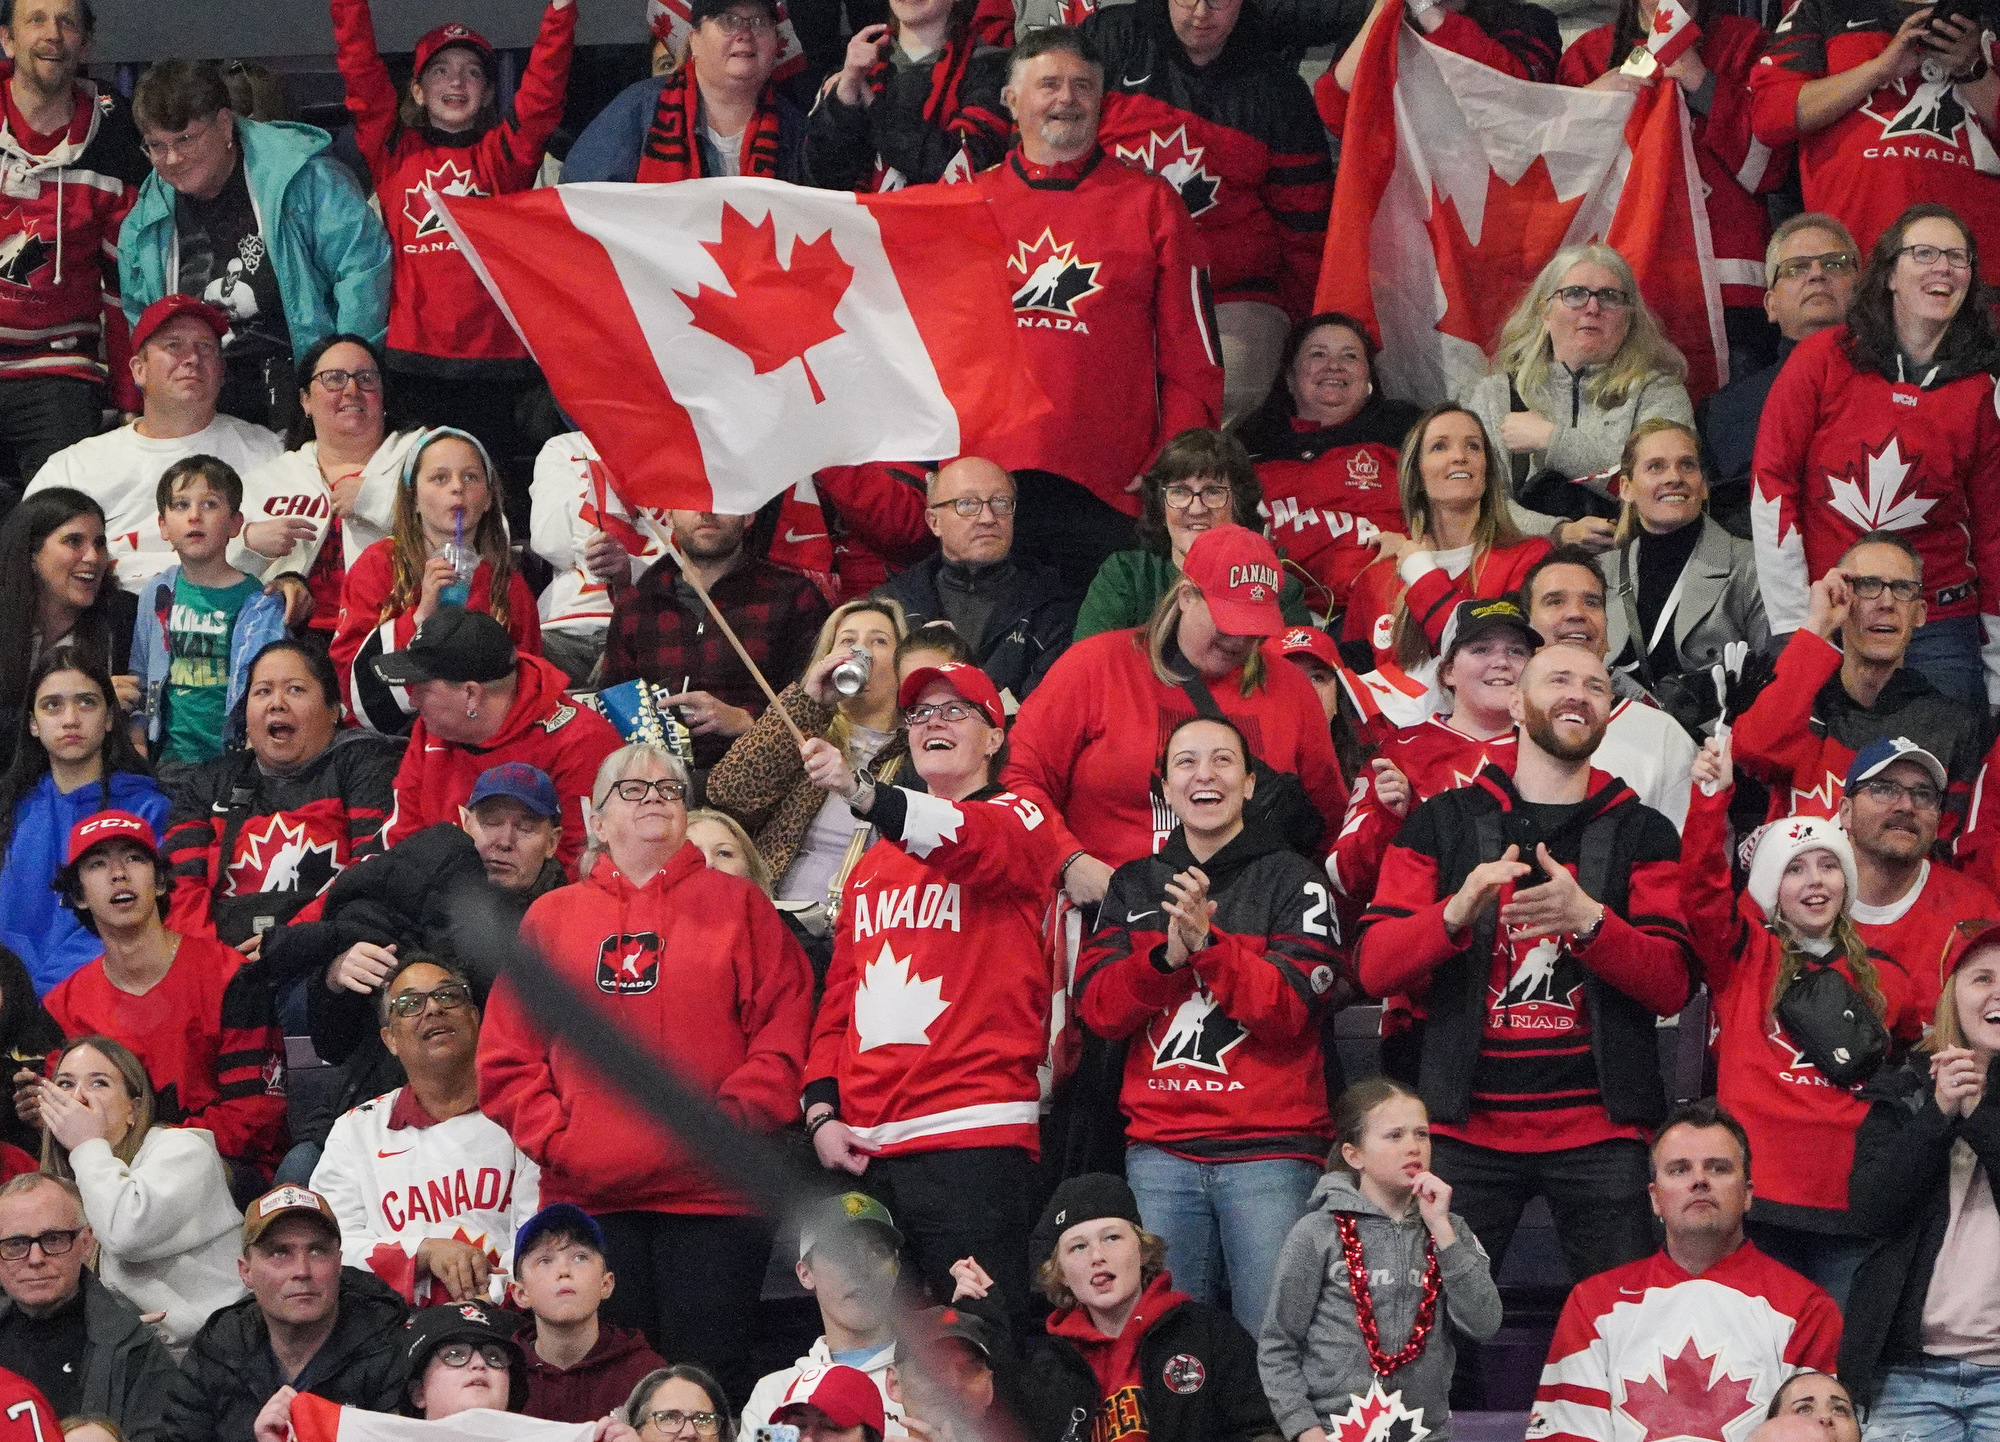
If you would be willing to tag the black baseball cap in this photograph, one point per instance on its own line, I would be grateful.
(454, 645)
(1471, 620)
(933, 1325)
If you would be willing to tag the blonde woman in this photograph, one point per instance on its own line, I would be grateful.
(157, 1197)
(1579, 363)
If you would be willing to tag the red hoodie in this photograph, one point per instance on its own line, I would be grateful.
(1114, 1361)
(601, 1383)
(695, 966)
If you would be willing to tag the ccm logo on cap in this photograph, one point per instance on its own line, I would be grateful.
(107, 823)
(1252, 575)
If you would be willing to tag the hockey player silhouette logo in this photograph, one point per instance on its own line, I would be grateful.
(1055, 279)
(1198, 1034)
(1542, 987)
(1933, 110)
(628, 964)
(21, 255)
(1534, 978)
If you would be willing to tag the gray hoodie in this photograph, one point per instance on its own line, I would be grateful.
(1311, 1355)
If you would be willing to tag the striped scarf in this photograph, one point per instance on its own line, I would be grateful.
(670, 152)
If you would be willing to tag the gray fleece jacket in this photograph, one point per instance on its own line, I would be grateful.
(1310, 1354)
(1588, 439)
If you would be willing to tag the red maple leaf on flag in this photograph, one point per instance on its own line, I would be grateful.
(1523, 226)
(771, 312)
(1663, 20)
(1685, 1402)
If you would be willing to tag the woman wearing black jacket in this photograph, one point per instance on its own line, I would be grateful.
(1192, 1375)
(1919, 1350)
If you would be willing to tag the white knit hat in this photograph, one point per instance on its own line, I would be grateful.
(1772, 848)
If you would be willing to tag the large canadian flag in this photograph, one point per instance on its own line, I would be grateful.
(314, 1419)
(1435, 237)
(721, 340)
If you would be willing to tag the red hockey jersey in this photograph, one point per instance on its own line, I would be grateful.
(1434, 758)
(439, 312)
(1114, 310)
(1801, 1125)
(208, 1038)
(25, 1414)
(1842, 452)
(1086, 745)
(1910, 141)
(1329, 493)
(544, 728)
(1736, 167)
(1916, 932)
(1647, 1351)
(1433, 596)
(1977, 848)
(936, 1010)
(1223, 1060)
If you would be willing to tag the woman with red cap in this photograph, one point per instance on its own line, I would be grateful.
(455, 357)
(922, 1074)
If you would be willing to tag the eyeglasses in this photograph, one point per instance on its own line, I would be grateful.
(1957, 256)
(449, 997)
(1869, 587)
(335, 382)
(53, 1244)
(459, 1354)
(970, 506)
(1180, 498)
(670, 792)
(1576, 297)
(1923, 796)
(736, 24)
(952, 711)
(705, 1424)
(159, 151)
(1832, 262)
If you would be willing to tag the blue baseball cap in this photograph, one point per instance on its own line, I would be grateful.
(1877, 756)
(517, 780)
(558, 1217)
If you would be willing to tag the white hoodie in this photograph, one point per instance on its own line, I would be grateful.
(771, 1387)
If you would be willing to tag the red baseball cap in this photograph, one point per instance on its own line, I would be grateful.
(1309, 641)
(446, 36)
(969, 681)
(844, 1394)
(1240, 577)
(167, 307)
(109, 826)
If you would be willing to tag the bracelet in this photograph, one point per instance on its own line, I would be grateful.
(819, 1121)
(1586, 937)
(1062, 872)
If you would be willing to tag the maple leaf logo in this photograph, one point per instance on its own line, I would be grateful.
(451, 178)
(1522, 225)
(1881, 506)
(1664, 20)
(1074, 12)
(23, 252)
(1776, 1036)
(1179, 164)
(1822, 800)
(1694, 1398)
(1932, 109)
(1200, 1034)
(1378, 1417)
(773, 312)
(893, 1008)
(1056, 279)
(296, 862)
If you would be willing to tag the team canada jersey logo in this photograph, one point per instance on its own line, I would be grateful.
(1876, 500)
(22, 254)
(1055, 280)
(451, 178)
(1932, 111)
(1364, 472)
(1198, 1034)
(629, 964)
(282, 853)
(1544, 986)
(1074, 12)
(1693, 1395)
(1178, 163)
(895, 1006)
(1378, 1417)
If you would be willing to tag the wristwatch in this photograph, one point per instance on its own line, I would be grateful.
(1973, 73)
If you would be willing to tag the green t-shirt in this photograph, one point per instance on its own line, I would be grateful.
(199, 628)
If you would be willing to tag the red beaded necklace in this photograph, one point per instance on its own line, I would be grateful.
(1364, 1304)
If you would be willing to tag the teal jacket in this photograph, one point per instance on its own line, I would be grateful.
(330, 249)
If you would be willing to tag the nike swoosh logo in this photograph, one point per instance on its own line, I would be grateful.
(386, 1155)
(1135, 916)
(1857, 24)
(1128, 80)
(793, 538)
(1628, 1292)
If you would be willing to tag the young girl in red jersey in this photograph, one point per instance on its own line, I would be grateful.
(1370, 1277)
(1794, 918)
(455, 358)
(450, 493)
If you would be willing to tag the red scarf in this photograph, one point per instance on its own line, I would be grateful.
(670, 151)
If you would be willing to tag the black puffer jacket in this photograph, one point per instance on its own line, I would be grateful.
(1900, 1192)
(230, 1370)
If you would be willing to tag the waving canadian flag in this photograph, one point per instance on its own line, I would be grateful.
(1488, 178)
(721, 340)
(1673, 30)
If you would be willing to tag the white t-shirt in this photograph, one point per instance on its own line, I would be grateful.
(121, 471)
(729, 150)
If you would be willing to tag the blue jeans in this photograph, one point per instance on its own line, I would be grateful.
(1940, 1400)
(1946, 654)
(1221, 1220)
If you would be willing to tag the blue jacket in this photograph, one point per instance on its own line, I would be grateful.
(260, 622)
(610, 145)
(330, 249)
(34, 923)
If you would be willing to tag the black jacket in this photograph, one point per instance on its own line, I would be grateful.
(1728, 423)
(25, 1027)
(1900, 1194)
(1057, 1392)
(1269, 434)
(126, 1368)
(403, 896)
(1031, 619)
(230, 1371)
(843, 142)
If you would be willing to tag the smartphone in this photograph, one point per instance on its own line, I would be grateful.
(775, 1432)
(1951, 10)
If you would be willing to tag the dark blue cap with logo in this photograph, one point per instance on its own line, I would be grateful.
(517, 780)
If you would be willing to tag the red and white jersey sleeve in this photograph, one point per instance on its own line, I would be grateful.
(570, 499)
(1647, 1351)
(1433, 758)
(396, 1184)
(25, 1414)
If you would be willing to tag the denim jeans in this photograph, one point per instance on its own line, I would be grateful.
(1940, 1400)
(1221, 1220)
(1946, 654)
